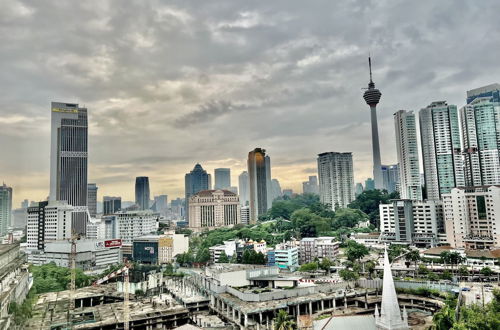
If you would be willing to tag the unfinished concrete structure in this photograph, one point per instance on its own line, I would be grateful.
(101, 308)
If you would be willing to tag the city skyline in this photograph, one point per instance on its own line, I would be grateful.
(309, 65)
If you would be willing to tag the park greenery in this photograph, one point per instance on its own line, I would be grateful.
(473, 317)
(50, 278)
(283, 321)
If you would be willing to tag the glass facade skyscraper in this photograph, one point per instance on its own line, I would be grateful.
(5, 208)
(142, 192)
(481, 136)
(257, 175)
(195, 181)
(68, 159)
(441, 150)
(222, 178)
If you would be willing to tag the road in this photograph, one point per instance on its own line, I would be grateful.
(471, 296)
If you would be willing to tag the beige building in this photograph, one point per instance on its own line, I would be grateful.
(214, 208)
(472, 217)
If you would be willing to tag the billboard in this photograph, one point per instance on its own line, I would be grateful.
(113, 243)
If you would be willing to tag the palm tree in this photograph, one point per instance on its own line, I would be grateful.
(283, 321)
(445, 257)
(413, 256)
(444, 319)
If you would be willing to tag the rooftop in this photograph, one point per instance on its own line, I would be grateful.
(209, 193)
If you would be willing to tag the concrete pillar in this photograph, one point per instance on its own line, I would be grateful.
(246, 320)
(334, 304)
(310, 308)
(298, 314)
(322, 305)
(234, 317)
(260, 317)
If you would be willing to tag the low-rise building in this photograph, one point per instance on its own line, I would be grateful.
(90, 254)
(131, 224)
(209, 209)
(159, 249)
(284, 255)
(317, 247)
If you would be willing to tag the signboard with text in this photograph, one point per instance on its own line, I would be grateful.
(113, 243)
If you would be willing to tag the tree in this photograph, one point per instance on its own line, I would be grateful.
(325, 264)
(355, 251)
(348, 275)
(223, 258)
(202, 256)
(369, 201)
(283, 321)
(251, 257)
(463, 271)
(395, 250)
(486, 271)
(444, 318)
(413, 256)
(348, 218)
(445, 257)
(309, 267)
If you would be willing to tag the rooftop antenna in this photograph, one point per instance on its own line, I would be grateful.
(370, 65)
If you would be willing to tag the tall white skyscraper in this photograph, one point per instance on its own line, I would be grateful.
(257, 175)
(372, 97)
(243, 188)
(441, 150)
(222, 178)
(5, 208)
(408, 159)
(68, 159)
(336, 179)
(480, 120)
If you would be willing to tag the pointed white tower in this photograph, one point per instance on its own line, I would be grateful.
(390, 314)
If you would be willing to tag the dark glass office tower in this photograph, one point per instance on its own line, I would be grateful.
(257, 174)
(142, 192)
(195, 181)
(68, 160)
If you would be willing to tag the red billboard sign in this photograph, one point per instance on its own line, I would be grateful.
(113, 243)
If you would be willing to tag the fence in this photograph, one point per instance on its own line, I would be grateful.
(377, 284)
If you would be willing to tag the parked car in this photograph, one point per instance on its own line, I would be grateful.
(465, 289)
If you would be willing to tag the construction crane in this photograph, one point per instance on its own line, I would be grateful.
(126, 287)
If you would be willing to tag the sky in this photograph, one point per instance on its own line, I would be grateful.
(168, 84)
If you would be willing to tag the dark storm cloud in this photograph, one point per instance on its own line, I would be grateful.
(171, 83)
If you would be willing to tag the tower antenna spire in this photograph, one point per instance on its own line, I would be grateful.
(370, 66)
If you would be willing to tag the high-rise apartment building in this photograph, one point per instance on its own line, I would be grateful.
(257, 176)
(358, 190)
(472, 217)
(142, 192)
(5, 208)
(372, 97)
(441, 150)
(48, 221)
(311, 248)
(414, 222)
(92, 199)
(210, 209)
(311, 186)
(408, 158)
(336, 179)
(222, 178)
(195, 181)
(68, 159)
(243, 188)
(480, 120)
(131, 224)
(390, 175)
(111, 204)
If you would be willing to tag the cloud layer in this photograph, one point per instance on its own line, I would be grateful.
(172, 83)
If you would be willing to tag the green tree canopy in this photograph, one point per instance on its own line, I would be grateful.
(348, 218)
(355, 251)
(369, 201)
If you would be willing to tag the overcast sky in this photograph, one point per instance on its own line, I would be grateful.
(171, 83)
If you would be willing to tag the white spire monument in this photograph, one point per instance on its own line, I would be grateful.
(390, 317)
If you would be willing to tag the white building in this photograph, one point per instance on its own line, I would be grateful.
(209, 209)
(245, 215)
(90, 254)
(441, 149)
(414, 222)
(131, 224)
(407, 152)
(48, 221)
(311, 248)
(229, 248)
(472, 217)
(96, 229)
(243, 188)
(336, 180)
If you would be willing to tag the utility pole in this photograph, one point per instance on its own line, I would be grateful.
(72, 288)
(126, 315)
